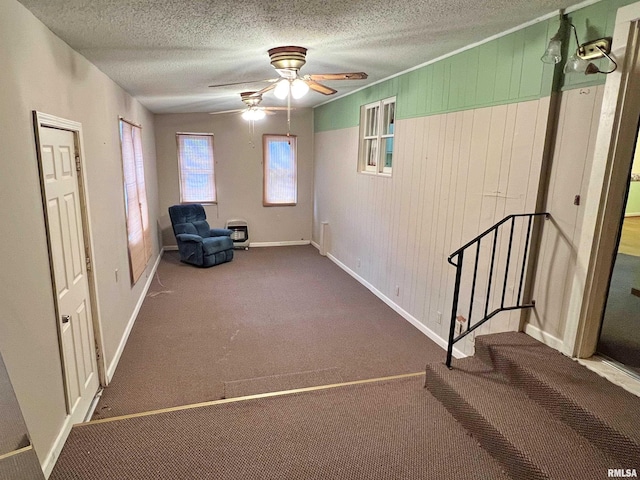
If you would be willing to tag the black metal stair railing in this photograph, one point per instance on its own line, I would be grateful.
(516, 303)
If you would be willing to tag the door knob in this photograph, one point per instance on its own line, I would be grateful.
(66, 318)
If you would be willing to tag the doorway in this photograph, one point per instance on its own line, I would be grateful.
(58, 144)
(608, 182)
(620, 331)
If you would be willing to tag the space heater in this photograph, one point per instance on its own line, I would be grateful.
(239, 233)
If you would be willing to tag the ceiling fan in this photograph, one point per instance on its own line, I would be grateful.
(288, 61)
(253, 110)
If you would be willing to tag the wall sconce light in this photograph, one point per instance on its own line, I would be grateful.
(579, 61)
(553, 53)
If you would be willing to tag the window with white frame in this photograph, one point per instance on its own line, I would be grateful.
(195, 160)
(377, 121)
(280, 170)
(135, 199)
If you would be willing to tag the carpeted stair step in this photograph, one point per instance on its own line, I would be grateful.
(607, 415)
(524, 437)
(279, 383)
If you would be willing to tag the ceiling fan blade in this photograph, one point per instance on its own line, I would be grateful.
(338, 76)
(320, 88)
(246, 82)
(274, 110)
(265, 89)
(228, 111)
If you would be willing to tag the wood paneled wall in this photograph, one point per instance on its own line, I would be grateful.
(578, 119)
(454, 175)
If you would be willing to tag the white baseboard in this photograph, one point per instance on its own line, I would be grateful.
(544, 337)
(315, 245)
(402, 312)
(286, 243)
(633, 214)
(85, 410)
(58, 444)
(123, 341)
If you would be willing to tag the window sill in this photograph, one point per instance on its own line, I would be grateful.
(374, 174)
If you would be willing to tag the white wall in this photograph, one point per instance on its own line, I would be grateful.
(454, 175)
(238, 170)
(40, 72)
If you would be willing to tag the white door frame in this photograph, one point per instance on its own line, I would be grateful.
(614, 148)
(45, 120)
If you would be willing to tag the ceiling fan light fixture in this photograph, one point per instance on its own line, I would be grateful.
(253, 114)
(282, 89)
(299, 88)
(290, 58)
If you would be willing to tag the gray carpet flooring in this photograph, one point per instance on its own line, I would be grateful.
(271, 312)
(517, 409)
(280, 383)
(390, 430)
(620, 334)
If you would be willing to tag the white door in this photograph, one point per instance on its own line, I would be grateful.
(68, 261)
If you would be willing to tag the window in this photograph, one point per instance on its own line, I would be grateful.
(280, 170)
(195, 157)
(376, 137)
(135, 199)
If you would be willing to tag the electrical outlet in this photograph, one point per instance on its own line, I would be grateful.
(397, 290)
(358, 262)
(460, 323)
(439, 318)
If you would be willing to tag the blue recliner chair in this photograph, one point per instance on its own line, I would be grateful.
(198, 243)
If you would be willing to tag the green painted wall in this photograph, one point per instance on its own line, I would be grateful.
(505, 70)
(633, 201)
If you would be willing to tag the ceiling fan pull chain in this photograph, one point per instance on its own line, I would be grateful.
(289, 112)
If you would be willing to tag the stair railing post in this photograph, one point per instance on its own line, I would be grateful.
(454, 307)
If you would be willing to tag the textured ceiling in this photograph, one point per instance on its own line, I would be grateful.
(166, 52)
